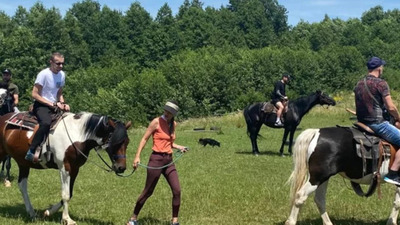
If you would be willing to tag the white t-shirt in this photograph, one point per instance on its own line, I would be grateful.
(51, 83)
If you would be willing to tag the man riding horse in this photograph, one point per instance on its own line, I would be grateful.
(279, 98)
(372, 95)
(48, 95)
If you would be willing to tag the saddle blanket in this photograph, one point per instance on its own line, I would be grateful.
(23, 119)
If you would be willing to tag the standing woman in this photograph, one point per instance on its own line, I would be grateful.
(163, 131)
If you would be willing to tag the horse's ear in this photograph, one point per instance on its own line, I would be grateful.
(128, 125)
(111, 122)
(318, 92)
(105, 121)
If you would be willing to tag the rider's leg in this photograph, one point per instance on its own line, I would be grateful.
(280, 107)
(43, 114)
(391, 134)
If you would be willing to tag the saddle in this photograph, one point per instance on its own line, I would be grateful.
(270, 108)
(370, 146)
(26, 120)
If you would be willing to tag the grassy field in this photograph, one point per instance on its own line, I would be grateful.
(226, 185)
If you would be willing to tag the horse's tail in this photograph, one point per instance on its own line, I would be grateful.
(248, 119)
(300, 173)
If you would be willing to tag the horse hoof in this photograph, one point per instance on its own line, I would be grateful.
(289, 222)
(7, 183)
(68, 222)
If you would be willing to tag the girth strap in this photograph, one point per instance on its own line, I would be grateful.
(372, 187)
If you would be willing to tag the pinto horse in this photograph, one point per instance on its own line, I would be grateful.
(322, 153)
(255, 117)
(69, 145)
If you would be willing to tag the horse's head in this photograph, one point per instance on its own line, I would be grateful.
(324, 99)
(118, 141)
(3, 92)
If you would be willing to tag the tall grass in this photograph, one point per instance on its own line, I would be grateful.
(226, 185)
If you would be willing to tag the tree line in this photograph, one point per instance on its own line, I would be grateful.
(211, 60)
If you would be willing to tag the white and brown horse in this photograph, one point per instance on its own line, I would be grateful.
(319, 154)
(69, 145)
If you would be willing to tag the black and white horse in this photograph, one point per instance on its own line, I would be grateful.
(322, 153)
(6, 106)
(297, 108)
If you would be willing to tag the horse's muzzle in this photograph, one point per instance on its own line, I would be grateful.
(119, 169)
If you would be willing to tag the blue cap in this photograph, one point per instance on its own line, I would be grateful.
(375, 62)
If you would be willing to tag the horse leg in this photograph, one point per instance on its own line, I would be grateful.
(395, 210)
(2, 167)
(23, 187)
(67, 179)
(54, 208)
(253, 137)
(319, 198)
(7, 161)
(291, 140)
(285, 134)
(300, 198)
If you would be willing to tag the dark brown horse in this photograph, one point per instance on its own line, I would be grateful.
(67, 150)
(297, 108)
(322, 153)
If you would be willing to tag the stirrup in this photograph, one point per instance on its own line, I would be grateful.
(37, 155)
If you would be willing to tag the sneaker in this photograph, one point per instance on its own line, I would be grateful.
(279, 124)
(392, 180)
(29, 156)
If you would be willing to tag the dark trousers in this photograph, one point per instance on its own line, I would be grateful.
(153, 175)
(43, 114)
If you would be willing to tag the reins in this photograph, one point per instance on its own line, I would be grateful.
(87, 158)
(177, 155)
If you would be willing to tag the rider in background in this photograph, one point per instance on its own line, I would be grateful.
(279, 98)
(48, 95)
(163, 131)
(372, 94)
(12, 88)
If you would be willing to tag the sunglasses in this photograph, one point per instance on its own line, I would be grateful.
(59, 63)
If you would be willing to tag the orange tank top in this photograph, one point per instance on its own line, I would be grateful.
(162, 141)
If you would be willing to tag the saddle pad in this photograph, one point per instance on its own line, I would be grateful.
(22, 119)
(29, 121)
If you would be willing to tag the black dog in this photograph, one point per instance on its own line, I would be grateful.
(209, 141)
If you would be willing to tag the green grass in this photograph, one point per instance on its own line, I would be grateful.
(226, 185)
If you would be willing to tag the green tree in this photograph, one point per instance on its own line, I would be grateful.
(87, 14)
(139, 27)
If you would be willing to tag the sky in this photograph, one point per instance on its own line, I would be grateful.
(307, 10)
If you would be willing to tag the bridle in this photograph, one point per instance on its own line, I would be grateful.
(97, 148)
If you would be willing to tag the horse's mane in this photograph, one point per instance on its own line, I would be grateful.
(95, 125)
(303, 98)
(89, 123)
